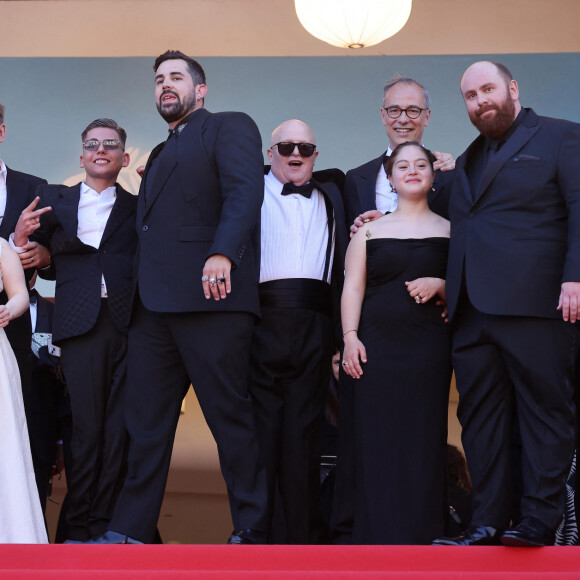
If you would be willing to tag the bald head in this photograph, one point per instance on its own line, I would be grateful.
(491, 97)
(292, 127)
(294, 167)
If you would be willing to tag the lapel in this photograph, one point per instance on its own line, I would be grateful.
(165, 166)
(67, 210)
(42, 316)
(12, 201)
(122, 209)
(366, 182)
(527, 129)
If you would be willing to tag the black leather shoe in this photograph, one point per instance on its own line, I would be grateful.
(473, 536)
(247, 536)
(111, 537)
(530, 532)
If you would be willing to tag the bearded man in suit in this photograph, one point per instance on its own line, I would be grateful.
(195, 302)
(90, 230)
(513, 290)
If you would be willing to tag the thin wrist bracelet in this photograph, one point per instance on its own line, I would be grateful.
(347, 331)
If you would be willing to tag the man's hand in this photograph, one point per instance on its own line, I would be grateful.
(34, 256)
(216, 277)
(363, 218)
(445, 161)
(569, 302)
(28, 222)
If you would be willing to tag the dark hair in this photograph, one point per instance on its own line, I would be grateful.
(504, 71)
(2, 110)
(457, 468)
(109, 124)
(399, 78)
(195, 69)
(393, 157)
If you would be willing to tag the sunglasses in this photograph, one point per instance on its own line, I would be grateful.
(108, 144)
(286, 148)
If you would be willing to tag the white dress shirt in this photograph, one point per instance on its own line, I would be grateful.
(386, 198)
(3, 173)
(94, 211)
(294, 234)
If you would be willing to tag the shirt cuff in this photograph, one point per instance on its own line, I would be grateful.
(18, 249)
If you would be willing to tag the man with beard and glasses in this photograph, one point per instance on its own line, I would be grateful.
(195, 303)
(513, 291)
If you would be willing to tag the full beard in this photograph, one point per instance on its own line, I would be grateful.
(176, 110)
(497, 125)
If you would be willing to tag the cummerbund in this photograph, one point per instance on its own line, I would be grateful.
(297, 293)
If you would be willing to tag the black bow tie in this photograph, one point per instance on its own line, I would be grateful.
(305, 190)
(33, 296)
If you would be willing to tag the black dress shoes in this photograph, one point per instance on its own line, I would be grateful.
(111, 537)
(530, 532)
(247, 536)
(473, 536)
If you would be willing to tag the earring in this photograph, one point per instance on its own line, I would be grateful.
(393, 188)
(432, 188)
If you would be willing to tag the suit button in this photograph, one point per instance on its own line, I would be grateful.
(145, 228)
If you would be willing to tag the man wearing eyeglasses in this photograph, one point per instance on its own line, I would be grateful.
(303, 241)
(367, 195)
(405, 114)
(90, 230)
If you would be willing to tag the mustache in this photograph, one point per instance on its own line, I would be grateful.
(168, 93)
(484, 109)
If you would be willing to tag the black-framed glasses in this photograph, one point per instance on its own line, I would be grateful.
(108, 144)
(286, 148)
(411, 112)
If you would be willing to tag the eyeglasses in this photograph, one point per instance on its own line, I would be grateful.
(411, 112)
(108, 144)
(285, 148)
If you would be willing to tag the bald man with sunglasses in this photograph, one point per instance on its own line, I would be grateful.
(303, 241)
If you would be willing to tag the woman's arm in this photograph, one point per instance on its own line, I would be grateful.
(351, 304)
(14, 285)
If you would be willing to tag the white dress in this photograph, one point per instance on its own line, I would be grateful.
(21, 520)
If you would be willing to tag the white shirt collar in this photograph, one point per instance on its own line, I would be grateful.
(3, 171)
(88, 190)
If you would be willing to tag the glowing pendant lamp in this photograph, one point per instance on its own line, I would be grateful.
(353, 23)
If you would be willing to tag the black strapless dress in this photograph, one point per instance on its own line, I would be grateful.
(401, 401)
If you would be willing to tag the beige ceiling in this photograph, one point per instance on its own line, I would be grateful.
(104, 28)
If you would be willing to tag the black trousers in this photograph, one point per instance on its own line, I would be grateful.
(502, 361)
(291, 366)
(167, 352)
(94, 367)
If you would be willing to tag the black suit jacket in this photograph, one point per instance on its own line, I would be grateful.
(20, 191)
(517, 238)
(205, 199)
(78, 267)
(360, 190)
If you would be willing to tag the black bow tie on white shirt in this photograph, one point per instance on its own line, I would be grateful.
(305, 190)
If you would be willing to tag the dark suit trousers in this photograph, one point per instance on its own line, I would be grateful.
(94, 367)
(291, 366)
(500, 361)
(167, 352)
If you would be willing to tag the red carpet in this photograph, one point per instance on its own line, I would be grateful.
(285, 562)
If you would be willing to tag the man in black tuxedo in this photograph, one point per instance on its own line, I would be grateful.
(91, 235)
(303, 242)
(16, 193)
(195, 302)
(513, 288)
(405, 113)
